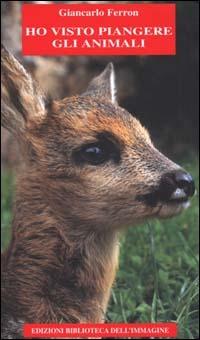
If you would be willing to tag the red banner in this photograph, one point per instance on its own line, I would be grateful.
(98, 29)
(139, 330)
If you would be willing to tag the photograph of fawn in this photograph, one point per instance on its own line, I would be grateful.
(90, 171)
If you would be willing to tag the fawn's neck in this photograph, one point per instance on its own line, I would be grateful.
(57, 257)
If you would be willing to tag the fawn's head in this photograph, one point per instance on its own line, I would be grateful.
(95, 162)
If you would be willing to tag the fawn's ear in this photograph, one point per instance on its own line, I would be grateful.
(103, 86)
(22, 104)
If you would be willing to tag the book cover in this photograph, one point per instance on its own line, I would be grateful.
(99, 163)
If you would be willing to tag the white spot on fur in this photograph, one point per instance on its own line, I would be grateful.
(113, 86)
(41, 102)
(185, 205)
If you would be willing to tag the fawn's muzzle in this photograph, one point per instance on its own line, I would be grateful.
(176, 186)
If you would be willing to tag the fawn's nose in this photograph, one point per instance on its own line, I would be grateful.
(177, 186)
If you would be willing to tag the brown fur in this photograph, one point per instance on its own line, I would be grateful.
(62, 259)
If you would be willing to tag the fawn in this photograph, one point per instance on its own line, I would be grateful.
(90, 171)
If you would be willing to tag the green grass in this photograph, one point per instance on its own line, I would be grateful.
(158, 274)
(7, 188)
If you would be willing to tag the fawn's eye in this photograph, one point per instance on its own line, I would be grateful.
(97, 153)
